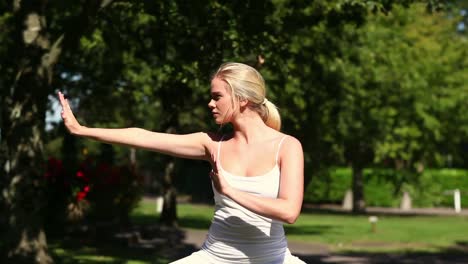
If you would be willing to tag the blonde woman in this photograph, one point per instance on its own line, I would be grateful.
(257, 174)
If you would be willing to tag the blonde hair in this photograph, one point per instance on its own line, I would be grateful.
(246, 83)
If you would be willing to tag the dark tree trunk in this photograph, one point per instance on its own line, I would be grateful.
(359, 153)
(359, 204)
(23, 183)
(23, 115)
(169, 212)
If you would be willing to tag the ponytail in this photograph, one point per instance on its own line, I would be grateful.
(271, 115)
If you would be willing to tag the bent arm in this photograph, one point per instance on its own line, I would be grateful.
(193, 146)
(287, 206)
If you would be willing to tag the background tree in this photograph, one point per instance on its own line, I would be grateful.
(400, 93)
(32, 45)
(156, 57)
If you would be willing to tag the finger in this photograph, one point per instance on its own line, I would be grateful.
(64, 103)
(61, 98)
(67, 104)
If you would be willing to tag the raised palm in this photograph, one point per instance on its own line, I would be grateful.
(69, 119)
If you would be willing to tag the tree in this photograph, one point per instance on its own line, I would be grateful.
(34, 47)
(401, 94)
(153, 55)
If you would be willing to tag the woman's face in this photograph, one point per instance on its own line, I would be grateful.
(221, 102)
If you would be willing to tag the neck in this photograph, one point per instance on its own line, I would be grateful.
(250, 128)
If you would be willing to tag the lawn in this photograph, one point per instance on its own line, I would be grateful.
(344, 232)
(392, 234)
(339, 232)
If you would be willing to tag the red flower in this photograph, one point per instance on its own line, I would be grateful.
(80, 174)
(86, 189)
(80, 196)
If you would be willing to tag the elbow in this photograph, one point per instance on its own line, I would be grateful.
(290, 217)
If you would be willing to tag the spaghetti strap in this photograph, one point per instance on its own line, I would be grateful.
(219, 150)
(279, 147)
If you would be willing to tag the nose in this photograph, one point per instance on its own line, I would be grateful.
(211, 104)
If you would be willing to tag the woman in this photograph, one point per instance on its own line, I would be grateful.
(257, 174)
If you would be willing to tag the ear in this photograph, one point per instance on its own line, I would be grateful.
(243, 103)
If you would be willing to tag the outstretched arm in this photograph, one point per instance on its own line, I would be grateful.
(287, 206)
(192, 146)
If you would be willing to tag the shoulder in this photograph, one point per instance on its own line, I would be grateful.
(290, 146)
(290, 141)
(291, 155)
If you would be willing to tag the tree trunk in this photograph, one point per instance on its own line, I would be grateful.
(169, 212)
(359, 204)
(23, 123)
(23, 189)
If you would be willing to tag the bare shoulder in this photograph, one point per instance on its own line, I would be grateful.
(291, 142)
(290, 146)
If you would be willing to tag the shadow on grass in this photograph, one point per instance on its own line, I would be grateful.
(151, 244)
(146, 242)
(194, 222)
(70, 252)
(185, 222)
(143, 219)
(137, 244)
(456, 254)
(389, 258)
(307, 229)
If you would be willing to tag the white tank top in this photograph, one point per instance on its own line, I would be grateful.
(238, 235)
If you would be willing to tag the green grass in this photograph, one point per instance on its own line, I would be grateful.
(393, 233)
(339, 232)
(94, 254)
(343, 232)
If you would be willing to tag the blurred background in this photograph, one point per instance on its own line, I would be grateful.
(376, 91)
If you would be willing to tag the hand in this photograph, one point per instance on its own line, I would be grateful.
(219, 182)
(69, 119)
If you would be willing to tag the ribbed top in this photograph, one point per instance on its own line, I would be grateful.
(238, 235)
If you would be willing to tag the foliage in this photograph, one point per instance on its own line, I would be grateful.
(385, 187)
(97, 191)
(393, 94)
(147, 64)
(113, 190)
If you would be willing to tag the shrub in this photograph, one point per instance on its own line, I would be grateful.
(385, 187)
(95, 191)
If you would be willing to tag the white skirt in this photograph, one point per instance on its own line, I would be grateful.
(204, 257)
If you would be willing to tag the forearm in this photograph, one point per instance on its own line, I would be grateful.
(285, 210)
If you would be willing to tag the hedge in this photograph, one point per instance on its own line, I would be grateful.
(385, 187)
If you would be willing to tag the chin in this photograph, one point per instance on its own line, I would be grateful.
(220, 122)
